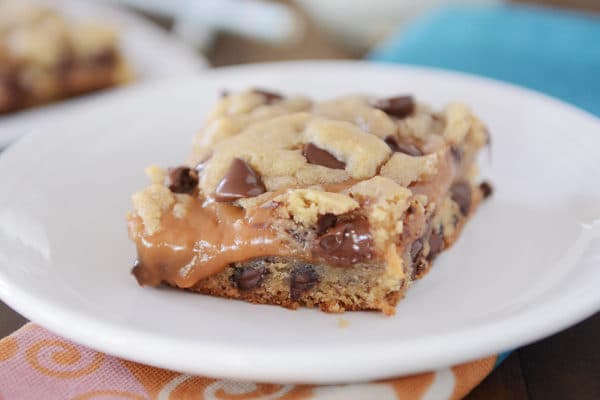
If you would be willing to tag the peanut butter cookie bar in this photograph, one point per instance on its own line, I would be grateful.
(44, 57)
(339, 204)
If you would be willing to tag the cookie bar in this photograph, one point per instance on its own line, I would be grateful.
(340, 204)
(44, 57)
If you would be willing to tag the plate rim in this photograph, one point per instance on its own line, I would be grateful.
(251, 365)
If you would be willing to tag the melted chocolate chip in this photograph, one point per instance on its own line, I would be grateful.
(270, 97)
(183, 180)
(240, 181)
(436, 244)
(399, 107)
(486, 189)
(142, 275)
(318, 156)
(416, 257)
(461, 194)
(415, 249)
(346, 243)
(325, 222)
(419, 268)
(405, 148)
(303, 278)
(247, 278)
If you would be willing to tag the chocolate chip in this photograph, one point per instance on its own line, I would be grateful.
(224, 93)
(333, 240)
(399, 107)
(436, 244)
(247, 278)
(418, 268)
(325, 222)
(240, 181)
(346, 243)
(415, 249)
(392, 142)
(270, 97)
(183, 180)
(486, 189)
(405, 148)
(303, 278)
(457, 154)
(461, 194)
(318, 156)
(416, 257)
(143, 275)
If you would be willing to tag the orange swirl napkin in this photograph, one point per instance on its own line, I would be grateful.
(36, 364)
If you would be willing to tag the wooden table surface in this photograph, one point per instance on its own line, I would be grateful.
(562, 367)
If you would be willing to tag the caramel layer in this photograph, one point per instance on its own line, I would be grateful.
(202, 243)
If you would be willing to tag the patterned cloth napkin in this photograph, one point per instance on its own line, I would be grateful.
(36, 364)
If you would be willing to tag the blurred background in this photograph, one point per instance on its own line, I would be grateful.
(343, 29)
(547, 45)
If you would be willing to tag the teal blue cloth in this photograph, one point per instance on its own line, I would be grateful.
(550, 50)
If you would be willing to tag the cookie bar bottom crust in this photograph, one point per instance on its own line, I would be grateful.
(293, 283)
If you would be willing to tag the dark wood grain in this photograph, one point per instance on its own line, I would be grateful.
(506, 382)
(581, 5)
(565, 366)
(10, 321)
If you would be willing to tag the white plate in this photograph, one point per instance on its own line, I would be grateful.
(525, 267)
(153, 54)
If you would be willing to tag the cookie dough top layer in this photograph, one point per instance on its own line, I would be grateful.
(315, 158)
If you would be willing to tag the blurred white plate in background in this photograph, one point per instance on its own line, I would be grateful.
(526, 265)
(153, 53)
(360, 24)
